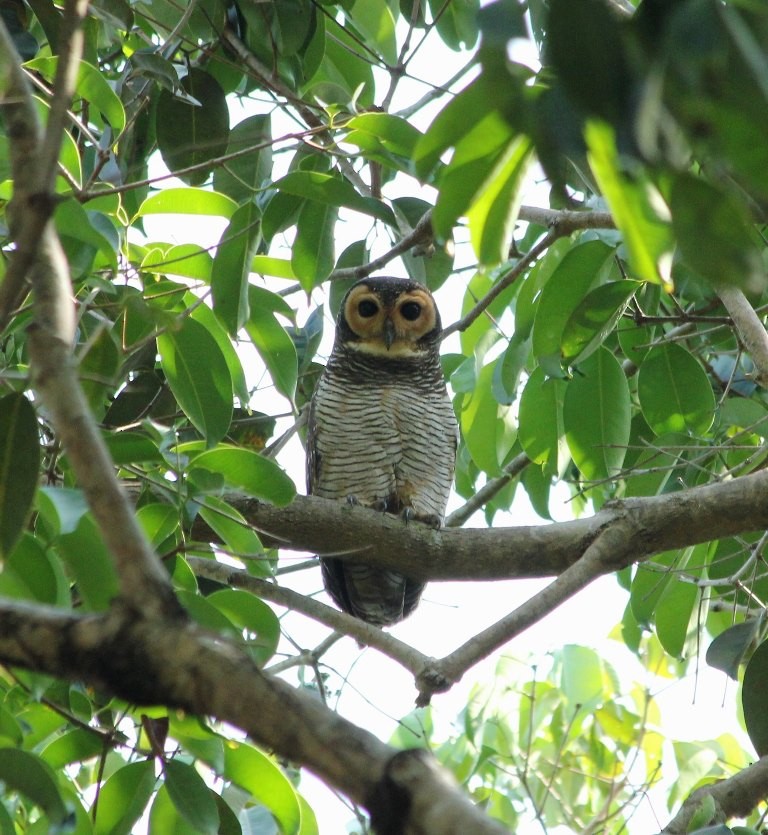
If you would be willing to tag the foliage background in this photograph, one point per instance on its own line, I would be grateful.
(609, 343)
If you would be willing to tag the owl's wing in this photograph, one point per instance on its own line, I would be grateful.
(313, 455)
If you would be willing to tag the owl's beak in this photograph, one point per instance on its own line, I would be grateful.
(389, 332)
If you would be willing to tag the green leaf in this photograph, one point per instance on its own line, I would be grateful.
(243, 468)
(675, 609)
(392, 134)
(257, 774)
(674, 391)
(188, 201)
(232, 266)
(540, 428)
(193, 134)
(74, 746)
(34, 778)
(158, 521)
(198, 376)
(728, 649)
(493, 213)
(91, 564)
(234, 531)
(63, 507)
(333, 190)
(635, 205)
(90, 85)
(715, 234)
(272, 342)
(594, 318)
(596, 415)
(478, 158)
(191, 797)
(241, 178)
(312, 256)
(19, 467)
(377, 25)
(568, 284)
(187, 260)
(254, 616)
(753, 690)
(582, 675)
(32, 571)
(483, 429)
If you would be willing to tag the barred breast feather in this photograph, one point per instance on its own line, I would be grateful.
(382, 433)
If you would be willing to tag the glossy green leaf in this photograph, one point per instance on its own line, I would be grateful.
(493, 213)
(636, 207)
(333, 190)
(19, 465)
(63, 507)
(674, 612)
(254, 616)
(392, 134)
(344, 76)
(234, 531)
(674, 391)
(479, 156)
(272, 342)
(728, 650)
(158, 521)
(715, 234)
(187, 260)
(198, 376)
(753, 690)
(90, 85)
(596, 416)
(259, 775)
(540, 429)
(32, 571)
(377, 25)
(131, 448)
(191, 797)
(569, 283)
(193, 134)
(207, 318)
(312, 256)
(266, 265)
(29, 775)
(242, 177)
(257, 475)
(77, 745)
(91, 565)
(594, 318)
(188, 201)
(232, 267)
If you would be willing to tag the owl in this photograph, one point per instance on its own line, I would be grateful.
(382, 431)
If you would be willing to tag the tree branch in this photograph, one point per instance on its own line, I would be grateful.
(735, 797)
(39, 256)
(165, 661)
(750, 329)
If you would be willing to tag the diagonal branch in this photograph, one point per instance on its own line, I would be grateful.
(167, 661)
(39, 258)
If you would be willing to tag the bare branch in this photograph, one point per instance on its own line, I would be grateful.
(735, 797)
(167, 661)
(750, 329)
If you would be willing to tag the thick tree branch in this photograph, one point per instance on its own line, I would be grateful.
(735, 797)
(172, 662)
(652, 525)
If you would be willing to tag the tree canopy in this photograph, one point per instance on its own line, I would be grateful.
(187, 190)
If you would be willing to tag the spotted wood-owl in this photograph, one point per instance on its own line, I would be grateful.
(382, 432)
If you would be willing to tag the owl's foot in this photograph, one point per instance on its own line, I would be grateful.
(379, 505)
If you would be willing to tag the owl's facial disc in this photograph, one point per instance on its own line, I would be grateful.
(389, 327)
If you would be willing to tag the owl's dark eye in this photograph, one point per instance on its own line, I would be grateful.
(367, 308)
(411, 311)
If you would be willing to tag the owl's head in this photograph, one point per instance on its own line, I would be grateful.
(389, 317)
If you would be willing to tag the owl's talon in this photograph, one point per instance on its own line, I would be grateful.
(432, 520)
(353, 500)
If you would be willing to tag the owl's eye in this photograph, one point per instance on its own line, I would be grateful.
(411, 311)
(367, 308)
